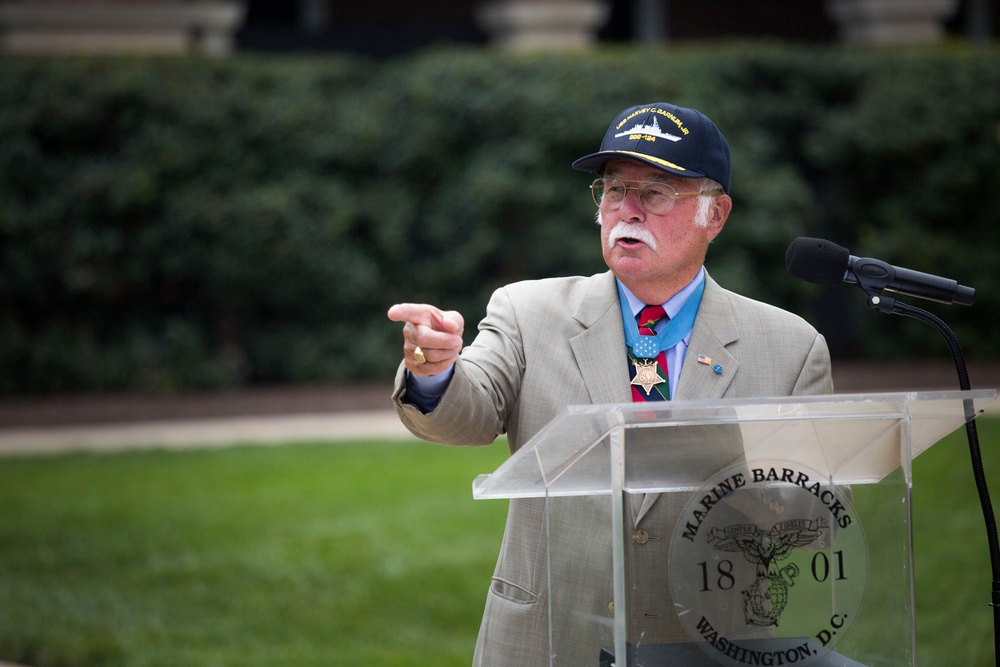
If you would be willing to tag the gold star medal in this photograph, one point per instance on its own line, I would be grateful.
(646, 375)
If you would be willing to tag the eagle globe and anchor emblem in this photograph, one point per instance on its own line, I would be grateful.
(765, 599)
(768, 565)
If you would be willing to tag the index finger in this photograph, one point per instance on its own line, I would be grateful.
(416, 313)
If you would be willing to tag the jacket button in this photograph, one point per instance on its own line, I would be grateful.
(640, 537)
(611, 607)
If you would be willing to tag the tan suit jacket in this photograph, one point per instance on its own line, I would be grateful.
(550, 343)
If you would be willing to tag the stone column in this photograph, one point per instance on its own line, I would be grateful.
(524, 25)
(115, 26)
(891, 21)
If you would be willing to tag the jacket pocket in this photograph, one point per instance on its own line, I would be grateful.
(512, 592)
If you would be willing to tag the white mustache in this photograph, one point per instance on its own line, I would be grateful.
(629, 230)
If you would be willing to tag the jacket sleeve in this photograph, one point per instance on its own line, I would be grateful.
(483, 390)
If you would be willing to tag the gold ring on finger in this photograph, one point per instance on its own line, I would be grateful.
(418, 354)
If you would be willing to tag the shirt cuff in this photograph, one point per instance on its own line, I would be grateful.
(425, 391)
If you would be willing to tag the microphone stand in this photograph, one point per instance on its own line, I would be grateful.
(890, 305)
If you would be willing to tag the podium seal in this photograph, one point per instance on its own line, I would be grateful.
(768, 565)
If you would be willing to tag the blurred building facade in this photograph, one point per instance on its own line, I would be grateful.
(114, 26)
(394, 27)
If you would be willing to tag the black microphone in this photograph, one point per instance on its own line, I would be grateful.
(825, 263)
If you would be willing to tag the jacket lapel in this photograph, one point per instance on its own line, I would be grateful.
(714, 330)
(600, 348)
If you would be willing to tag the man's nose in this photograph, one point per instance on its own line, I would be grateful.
(631, 208)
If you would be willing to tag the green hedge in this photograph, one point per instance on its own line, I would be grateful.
(168, 224)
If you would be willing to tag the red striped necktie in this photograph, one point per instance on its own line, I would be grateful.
(649, 378)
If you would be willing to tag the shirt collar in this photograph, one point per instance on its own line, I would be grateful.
(673, 304)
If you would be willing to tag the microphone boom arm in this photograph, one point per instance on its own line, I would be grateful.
(891, 306)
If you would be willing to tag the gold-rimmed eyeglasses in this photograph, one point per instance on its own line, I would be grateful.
(655, 198)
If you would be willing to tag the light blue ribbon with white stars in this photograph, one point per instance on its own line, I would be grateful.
(676, 328)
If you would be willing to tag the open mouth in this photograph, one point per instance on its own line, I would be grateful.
(631, 236)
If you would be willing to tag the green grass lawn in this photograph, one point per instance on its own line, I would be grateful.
(951, 557)
(367, 553)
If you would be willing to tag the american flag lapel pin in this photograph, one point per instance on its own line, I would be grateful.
(703, 359)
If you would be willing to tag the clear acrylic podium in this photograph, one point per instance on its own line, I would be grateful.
(736, 532)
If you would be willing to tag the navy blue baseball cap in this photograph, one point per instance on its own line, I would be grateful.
(675, 139)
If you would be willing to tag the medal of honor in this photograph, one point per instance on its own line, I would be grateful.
(646, 375)
(645, 349)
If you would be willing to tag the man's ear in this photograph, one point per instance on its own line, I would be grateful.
(718, 214)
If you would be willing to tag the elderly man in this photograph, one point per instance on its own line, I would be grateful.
(634, 333)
